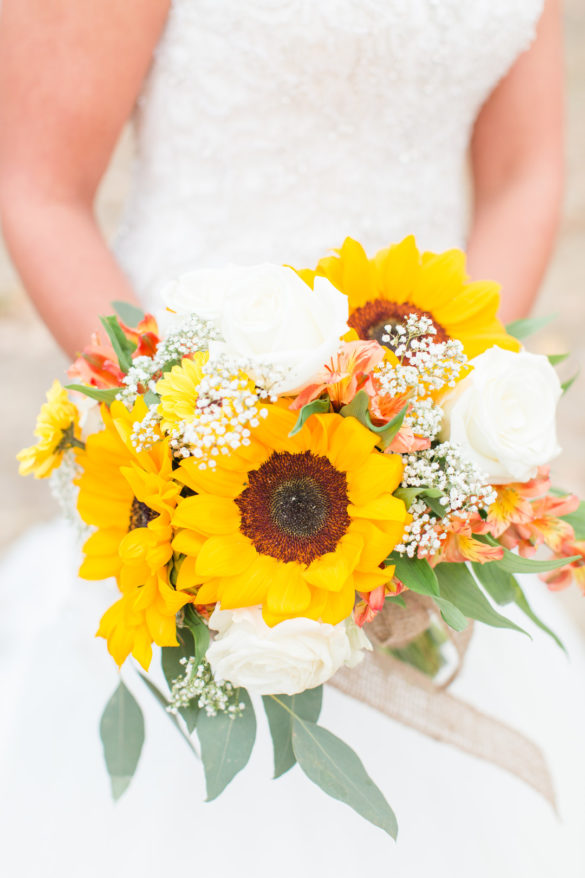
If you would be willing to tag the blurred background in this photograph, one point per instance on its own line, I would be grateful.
(29, 359)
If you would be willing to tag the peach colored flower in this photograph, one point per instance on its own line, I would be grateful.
(459, 545)
(97, 365)
(348, 371)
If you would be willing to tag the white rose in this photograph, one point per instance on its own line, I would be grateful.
(294, 655)
(267, 314)
(503, 414)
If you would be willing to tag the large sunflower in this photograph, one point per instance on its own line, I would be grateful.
(296, 524)
(130, 497)
(399, 281)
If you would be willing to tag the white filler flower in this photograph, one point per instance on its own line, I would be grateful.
(268, 315)
(503, 415)
(294, 655)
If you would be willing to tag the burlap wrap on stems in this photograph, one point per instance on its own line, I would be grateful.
(412, 698)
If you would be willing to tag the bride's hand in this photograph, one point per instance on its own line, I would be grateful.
(70, 73)
(517, 167)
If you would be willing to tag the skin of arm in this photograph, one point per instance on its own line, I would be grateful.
(517, 169)
(70, 72)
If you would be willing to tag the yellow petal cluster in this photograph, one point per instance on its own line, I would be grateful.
(130, 497)
(234, 550)
(178, 390)
(434, 283)
(57, 429)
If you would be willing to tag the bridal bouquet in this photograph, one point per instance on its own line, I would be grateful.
(293, 455)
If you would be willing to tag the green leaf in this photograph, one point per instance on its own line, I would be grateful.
(359, 408)
(452, 616)
(172, 668)
(151, 398)
(123, 347)
(577, 521)
(128, 314)
(108, 396)
(317, 407)
(459, 588)
(122, 734)
(226, 744)
(154, 690)
(306, 705)
(555, 359)
(521, 329)
(409, 495)
(512, 563)
(200, 632)
(436, 506)
(398, 600)
(334, 767)
(416, 573)
(566, 385)
(503, 588)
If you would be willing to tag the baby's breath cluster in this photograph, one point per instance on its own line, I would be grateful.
(425, 365)
(62, 483)
(462, 490)
(194, 335)
(198, 684)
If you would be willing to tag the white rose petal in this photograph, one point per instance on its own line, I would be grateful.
(293, 656)
(503, 414)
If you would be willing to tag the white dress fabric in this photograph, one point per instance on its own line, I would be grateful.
(268, 131)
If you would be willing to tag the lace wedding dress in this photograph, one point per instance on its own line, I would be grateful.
(270, 130)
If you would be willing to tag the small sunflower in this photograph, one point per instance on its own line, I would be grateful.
(400, 281)
(178, 390)
(57, 429)
(144, 615)
(296, 524)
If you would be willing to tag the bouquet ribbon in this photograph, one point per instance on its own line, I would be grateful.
(412, 698)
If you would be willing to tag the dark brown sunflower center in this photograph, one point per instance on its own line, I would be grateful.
(370, 320)
(140, 515)
(295, 507)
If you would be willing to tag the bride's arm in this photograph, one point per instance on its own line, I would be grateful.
(517, 165)
(70, 72)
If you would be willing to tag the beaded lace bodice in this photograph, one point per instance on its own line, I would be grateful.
(268, 130)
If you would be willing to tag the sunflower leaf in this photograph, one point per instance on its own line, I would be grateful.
(521, 329)
(106, 396)
(504, 589)
(128, 313)
(338, 770)
(512, 563)
(122, 734)
(460, 588)
(226, 744)
(317, 407)
(123, 347)
(306, 705)
(358, 408)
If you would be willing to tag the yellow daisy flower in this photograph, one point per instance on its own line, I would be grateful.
(297, 524)
(399, 281)
(57, 429)
(129, 497)
(178, 390)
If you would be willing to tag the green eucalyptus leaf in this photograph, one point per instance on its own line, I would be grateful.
(226, 744)
(155, 691)
(416, 573)
(106, 395)
(122, 734)
(555, 359)
(460, 588)
(280, 711)
(337, 769)
(521, 329)
(503, 588)
(317, 407)
(512, 563)
(123, 347)
(129, 314)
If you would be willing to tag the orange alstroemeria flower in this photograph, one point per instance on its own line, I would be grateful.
(97, 365)
(459, 545)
